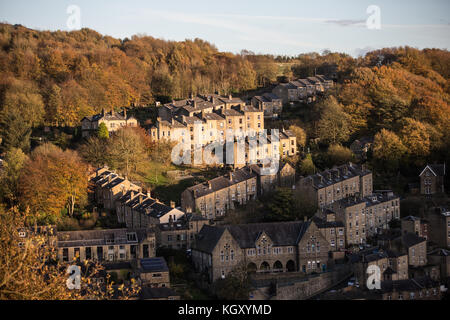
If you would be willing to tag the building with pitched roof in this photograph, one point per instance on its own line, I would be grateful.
(215, 197)
(113, 121)
(338, 183)
(432, 179)
(109, 245)
(262, 247)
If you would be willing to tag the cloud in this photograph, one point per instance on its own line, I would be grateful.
(235, 23)
(347, 22)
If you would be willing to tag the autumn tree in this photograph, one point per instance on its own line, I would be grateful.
(333, 126)
(30, 270)
(388, 148)
(95, 151)
(51, 180)
(415, 137)
(300, 134)
(338, 154)
(127, 150)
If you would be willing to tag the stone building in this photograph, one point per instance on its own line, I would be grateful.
(415, 246)
(214, 198)
(439, 219)
(367, 216)
(263, 248)
(109, 245)
(139, 210)
(338, 183)
(203, 121)
(393, 264)
(410, 289)
(109, 186)
(132, 206)
(180, 234)
(266, 183)
(113, 121)
(416, 225)
(332, 230)
(303, 90)
(269, 103)
(154, 273)
(432, 179)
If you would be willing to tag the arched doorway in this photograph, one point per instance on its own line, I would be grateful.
(251, 268)
(277, 266)
(290, 266)
(265, 267)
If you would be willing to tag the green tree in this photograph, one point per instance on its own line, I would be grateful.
(102, 131)
(280, 207)
(307, 166)
(14, 132)
(13, 163)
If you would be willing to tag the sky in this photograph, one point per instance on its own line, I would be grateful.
(280, 27)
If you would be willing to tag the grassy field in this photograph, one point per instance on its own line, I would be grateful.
(153, 175)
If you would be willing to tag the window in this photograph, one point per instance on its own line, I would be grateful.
(65, 254)
(88, 253)
(222, 256)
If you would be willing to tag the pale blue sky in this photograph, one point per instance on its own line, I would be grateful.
(277, 26)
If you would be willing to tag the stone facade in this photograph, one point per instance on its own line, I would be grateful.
(113, 121)
(110, 245)
(366, 217)
(338, 183)
(262, 248)
(180, 234)
(215, 197)
(270, 103)
(154, 273)
(303, 90)
(432, 179)
(439, 219)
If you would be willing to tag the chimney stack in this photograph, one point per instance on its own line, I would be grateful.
(231, 176)
(140, 199)
(230, 97)
(125, 113)
(172, 204)
(209, 185)
(132, 194)
(149, 194)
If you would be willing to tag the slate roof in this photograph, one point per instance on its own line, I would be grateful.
(157, 264)
(322, 224)
(411, 239)
(438, 169)
(331, 176)
(281, 234)
(98, 237)
(222, 182)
